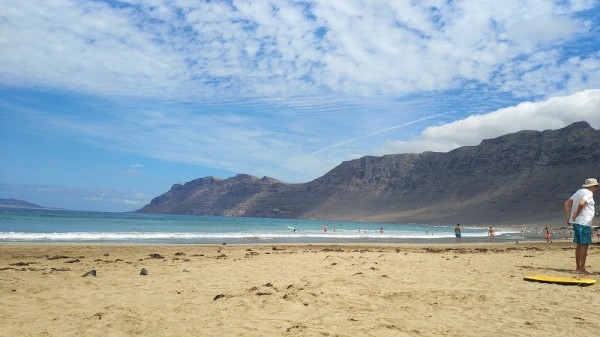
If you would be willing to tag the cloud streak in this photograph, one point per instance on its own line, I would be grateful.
(346, 142)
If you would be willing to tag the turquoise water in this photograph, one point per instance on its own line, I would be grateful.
(73, 226)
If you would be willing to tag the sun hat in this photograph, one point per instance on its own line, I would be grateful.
(589, 182)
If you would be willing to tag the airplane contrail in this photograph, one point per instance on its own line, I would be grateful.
(376, 133)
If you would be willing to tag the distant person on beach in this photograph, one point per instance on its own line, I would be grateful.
(491, 233)
(580, 211)
(325, 228)
(381, 230)
(547, 233)
(457, 233)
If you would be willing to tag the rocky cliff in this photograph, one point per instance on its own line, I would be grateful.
(518, 178)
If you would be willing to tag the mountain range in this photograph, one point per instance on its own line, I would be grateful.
(519, 178)
(20, 204)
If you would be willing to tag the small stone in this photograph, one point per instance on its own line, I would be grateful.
(91, 272)
(144, 271)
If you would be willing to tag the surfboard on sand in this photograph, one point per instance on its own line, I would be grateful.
(560, 280)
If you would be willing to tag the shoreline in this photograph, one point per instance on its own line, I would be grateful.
(350, 289)
(332, 238)
(402, 244)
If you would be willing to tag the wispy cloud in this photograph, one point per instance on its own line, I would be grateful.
(376, 133)
(273, 48)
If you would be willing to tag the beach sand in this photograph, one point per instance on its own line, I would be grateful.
(294, 290)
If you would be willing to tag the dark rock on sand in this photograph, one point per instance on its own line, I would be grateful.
(91, 272)
(144, 271)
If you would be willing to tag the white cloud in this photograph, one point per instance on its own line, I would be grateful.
(553, 113)
(264, 48)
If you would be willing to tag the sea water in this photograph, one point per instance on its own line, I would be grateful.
(17, 225)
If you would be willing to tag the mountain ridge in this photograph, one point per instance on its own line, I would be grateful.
(21, 204)
(521, 177)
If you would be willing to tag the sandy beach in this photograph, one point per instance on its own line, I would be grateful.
(294, 290)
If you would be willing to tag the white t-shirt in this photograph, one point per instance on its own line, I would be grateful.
(588, 212)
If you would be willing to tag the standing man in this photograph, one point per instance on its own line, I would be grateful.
(580, 211)
(457, 233)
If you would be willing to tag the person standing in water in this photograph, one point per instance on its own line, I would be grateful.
(547, 234)
(491, 233)
(457, 233)
(580, 211)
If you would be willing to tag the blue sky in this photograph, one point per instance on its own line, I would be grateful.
(105, 104)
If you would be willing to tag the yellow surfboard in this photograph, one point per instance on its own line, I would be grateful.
(560, 280)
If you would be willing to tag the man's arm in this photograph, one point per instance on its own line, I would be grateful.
(568, 206)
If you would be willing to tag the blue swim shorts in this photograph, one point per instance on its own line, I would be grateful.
(457, 235)
(582, 234)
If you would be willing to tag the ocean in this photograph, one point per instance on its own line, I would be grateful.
(18, 225)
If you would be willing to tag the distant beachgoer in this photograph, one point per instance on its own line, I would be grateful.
(381, 230)
(522, 234)
(491, 233)
(325, 228)
(580, 211)
(547, 233)
(457, 233)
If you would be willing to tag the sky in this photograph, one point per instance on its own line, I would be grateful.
(105, 105)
